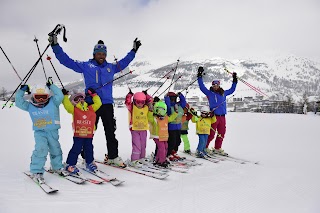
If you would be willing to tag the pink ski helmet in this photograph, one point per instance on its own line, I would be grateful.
(139, 98)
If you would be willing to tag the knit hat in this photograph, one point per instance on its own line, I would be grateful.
(100, 47)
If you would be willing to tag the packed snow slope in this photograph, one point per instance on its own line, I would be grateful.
(286, 180)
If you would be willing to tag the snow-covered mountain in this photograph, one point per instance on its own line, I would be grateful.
(278, 78)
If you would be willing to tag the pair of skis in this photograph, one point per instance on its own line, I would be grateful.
(216, 158)
(142, 171)
(76, 178)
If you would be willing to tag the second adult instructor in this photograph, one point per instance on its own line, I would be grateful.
(97, 74)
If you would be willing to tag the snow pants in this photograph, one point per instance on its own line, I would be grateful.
(139, 144)
(186, 142)
(80, 144)
(174, 141)
(220, 127)
(106, 113)
(162, 149)
(202, 142)
(46, 141)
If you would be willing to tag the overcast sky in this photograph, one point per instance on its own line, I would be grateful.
(168, 30)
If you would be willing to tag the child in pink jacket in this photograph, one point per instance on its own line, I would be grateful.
(138, 124)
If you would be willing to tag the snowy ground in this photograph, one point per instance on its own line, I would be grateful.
(287, 180)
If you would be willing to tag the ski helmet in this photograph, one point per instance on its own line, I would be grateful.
(139, 98)
(40, 94)
(205, 111)
(75, 98)
(172, 96)
(160, 108)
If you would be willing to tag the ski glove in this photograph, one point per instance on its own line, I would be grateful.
(130, 92)
(234, 76)
(65, 92)
(25, 88)
(193, 112)
(53, 40)
(136, 45)
(200, 72)
(49, 82)
(91, 92)
(156, 99)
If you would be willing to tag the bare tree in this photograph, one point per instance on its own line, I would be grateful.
(3, 94)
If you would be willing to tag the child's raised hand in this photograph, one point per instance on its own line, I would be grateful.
(92, 92)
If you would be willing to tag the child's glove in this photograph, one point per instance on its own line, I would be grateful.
(65, 92)
(156, 99)
(193, 112)
(130, 92)
(92, 92)
(25, 88)
(49, 82)
(211, 114)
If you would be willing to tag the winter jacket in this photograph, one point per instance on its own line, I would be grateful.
(217, 101)
(176, 123)
(154, 128)
(53, 103)
(70, 108)
(129, 104)
(203, 125)
(95, 75)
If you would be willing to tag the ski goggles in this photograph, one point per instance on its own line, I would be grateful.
(78, 98)
(100, 46)
(160, 111)
(139, 102)
(205, 114)
(40, 98)
(216, 82)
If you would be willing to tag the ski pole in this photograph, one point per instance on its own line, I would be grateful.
(166, 75)
(55, 31)
(25, 79)
(190, 84)
(160, 86)
(215, 131)
(116, 60)
(49, 59)
(11, 64)
(221, 103)
(36, 40)
(170, 85)
(115, 79)
(246, 83)
(174, 73)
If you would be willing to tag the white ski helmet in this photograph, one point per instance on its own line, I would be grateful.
(75, 98)
(205, 109)
(40, 94)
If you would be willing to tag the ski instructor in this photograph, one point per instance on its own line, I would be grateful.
(97, 74)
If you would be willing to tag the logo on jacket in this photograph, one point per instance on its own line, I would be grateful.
(108, 69)
(91, 65)
(84, 117)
